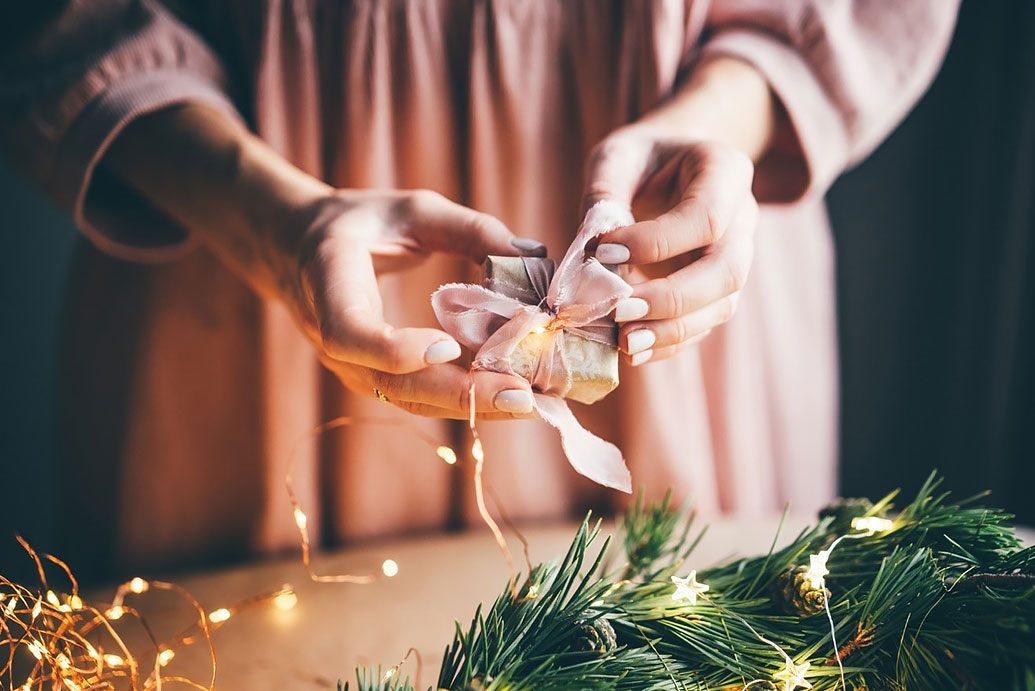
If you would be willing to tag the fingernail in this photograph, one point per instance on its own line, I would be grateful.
(513, 401)
(610, 253)
(529, 247)
(443, 351)
(641, 339)
(630, 309)
(640, 358)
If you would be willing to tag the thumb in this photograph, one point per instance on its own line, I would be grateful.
(445, 226)
(614, 171)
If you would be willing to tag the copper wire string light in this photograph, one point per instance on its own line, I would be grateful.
(75, 646)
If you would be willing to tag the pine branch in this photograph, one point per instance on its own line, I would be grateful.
(945, 599)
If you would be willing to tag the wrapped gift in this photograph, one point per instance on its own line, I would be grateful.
(550, 323)
(589, 352)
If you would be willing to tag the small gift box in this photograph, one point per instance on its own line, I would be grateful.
(590, 352)
(550, 323)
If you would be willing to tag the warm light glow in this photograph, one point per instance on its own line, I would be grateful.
(62, 661)
(114, 660)
(166, 656)
(138, 585)
(539, 330)
(36, 609)
(72, 685)
(476, 450)
(285, 601)
(389, 568)
(36, 649)
(817, 569)
(91, 651)
(115, 613)
(52, 598)
(446, 454)
(75, 602)
(872, 524)
(533, 591)
(218, 616)
(388, 675)
(688, 588)
(300, 518)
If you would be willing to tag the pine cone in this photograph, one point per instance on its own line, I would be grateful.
(844, 510)
(597, 636)
(796, 594)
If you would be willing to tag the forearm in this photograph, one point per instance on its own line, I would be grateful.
(222, 183)
(725, 100)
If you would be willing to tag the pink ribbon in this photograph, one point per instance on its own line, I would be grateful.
(581, 294)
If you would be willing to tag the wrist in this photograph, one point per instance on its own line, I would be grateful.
(724, 100)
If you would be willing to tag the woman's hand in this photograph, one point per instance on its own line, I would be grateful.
(352, 237)
(320, 251)
(686, 171)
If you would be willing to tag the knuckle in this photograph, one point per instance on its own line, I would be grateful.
(674, 302)
(681, 331)
(725, 309)
(421, 202)
(659, 245)
(734, 275)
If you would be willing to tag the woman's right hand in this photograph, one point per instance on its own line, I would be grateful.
(353, 236)
(320, 251)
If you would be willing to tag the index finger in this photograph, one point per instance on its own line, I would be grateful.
(708, 204)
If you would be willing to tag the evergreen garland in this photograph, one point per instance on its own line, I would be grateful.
(945, 599)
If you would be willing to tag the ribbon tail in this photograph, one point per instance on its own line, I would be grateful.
(589, 455)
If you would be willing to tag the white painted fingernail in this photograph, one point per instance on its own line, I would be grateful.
(641, 339)
(640, 358)
(513, 401)
(611, 253)
(630, 309)
(443, 351)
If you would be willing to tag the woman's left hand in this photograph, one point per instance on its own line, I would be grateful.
(690, 251)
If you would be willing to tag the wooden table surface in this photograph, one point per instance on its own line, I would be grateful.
(336, 627)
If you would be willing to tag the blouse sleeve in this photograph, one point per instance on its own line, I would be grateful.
(70, 87)
(845, 73)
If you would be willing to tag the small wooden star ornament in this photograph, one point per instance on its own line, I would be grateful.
(793, 676)
(688, 588)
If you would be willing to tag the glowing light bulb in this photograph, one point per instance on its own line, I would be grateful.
(446, 454)
(114, 660)
(218, 616)
(92, 652)
(138, 585)
(533, 591)
(62, 661)
(389, 568)
(688, 588)
(36, 649)
(476, 450)
(872, 524)
(52, 598)
(115, 613)
(166, 656)
(285, 601)
(75, 602)
(817, 569)
(36, 609)
(12, 603)
(72, 685)
(300, 518)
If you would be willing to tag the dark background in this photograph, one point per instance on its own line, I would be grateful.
(937, 298)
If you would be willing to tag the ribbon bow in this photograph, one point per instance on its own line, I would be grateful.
(577, 299)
